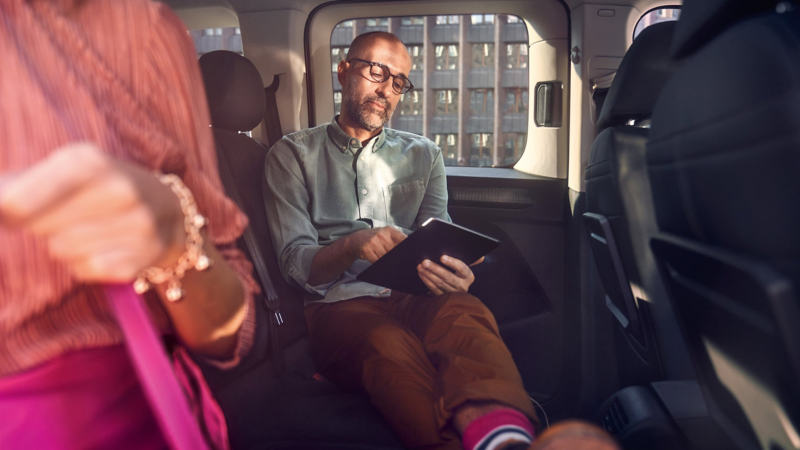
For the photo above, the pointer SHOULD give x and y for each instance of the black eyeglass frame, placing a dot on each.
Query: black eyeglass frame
(387, 73)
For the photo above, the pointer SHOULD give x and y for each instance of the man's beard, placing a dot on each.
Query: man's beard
(362, 113)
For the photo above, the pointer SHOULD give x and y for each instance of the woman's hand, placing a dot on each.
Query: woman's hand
(107, 220)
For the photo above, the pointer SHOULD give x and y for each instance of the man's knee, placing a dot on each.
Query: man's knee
(391, 341)
(466, 307)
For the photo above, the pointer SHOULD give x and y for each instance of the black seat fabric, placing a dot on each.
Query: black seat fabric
(723, 161)
(618, 190)
(236, 102)
(265, 411)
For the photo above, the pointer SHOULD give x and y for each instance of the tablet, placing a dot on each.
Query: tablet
(397, 269)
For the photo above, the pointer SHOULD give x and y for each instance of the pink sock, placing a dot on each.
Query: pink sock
(498, 427)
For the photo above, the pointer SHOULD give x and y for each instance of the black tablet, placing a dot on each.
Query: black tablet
(397, 269)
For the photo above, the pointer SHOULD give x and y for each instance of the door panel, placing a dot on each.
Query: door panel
(523, 281)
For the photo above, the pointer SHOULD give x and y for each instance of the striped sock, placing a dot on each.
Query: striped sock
(498, 427)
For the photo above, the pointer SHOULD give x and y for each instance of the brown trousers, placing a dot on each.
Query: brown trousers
(418, 358)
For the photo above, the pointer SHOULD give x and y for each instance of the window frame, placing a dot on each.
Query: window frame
(636, 25)
(545, 22)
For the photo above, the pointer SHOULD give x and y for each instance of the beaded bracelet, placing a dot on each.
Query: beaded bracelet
(193, 257)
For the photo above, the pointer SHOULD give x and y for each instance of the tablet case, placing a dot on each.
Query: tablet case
(397, 269)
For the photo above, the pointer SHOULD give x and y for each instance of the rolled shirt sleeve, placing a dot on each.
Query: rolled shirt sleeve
(286, 197)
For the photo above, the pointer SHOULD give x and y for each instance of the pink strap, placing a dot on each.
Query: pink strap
(161, 388)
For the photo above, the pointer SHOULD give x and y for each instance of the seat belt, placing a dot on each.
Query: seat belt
(270, 295)
(272, 120)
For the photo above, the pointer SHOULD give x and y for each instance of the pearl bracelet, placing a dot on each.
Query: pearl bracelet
(192, 258)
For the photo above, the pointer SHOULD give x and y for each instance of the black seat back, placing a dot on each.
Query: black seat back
(237, 100)
(620, 217)
(723, 161)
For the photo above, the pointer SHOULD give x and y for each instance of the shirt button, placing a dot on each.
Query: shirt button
(364, 191)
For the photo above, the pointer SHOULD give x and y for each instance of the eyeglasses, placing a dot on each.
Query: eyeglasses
(381, 73)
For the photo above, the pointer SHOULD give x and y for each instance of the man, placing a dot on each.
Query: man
(340, 196)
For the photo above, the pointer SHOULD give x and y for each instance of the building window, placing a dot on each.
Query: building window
(481, 101)
(482, 18)
(337, 101)
(656, 16)
(382, 22)
(417, 53)
(411, 103)
(443, 20)
(412, 21)
(515, 145)
(513, 19)
(482, 55)
(481, 151)
(517, 56)
(346, 23)
(446, 57)
(338, 54)
(516, 100)
(446, 102)
(449, 145)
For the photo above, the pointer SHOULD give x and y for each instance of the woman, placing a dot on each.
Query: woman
(96, 99)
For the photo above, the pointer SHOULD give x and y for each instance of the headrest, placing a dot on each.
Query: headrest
(642, 74)
(701, 20)
(235, 91)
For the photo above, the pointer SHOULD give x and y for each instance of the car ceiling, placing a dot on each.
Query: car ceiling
(242, 6)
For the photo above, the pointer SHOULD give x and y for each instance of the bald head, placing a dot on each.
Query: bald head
(361, 45)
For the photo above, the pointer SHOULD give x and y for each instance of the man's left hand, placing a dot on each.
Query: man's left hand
(442, 281)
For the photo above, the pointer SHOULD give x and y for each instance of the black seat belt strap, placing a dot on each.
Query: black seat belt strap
(272, 120)
(270, 295)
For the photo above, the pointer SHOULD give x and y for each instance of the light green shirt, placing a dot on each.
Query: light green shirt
(322, 184)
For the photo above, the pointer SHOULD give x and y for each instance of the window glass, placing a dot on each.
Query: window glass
(443, 20)
(516, 100)
(482, 55)
(212, 39)
(481, 101)
(337, 101)
(417, 53)
(338, 54)
(656, 16)
(412, 21)
(410, 103)
(515, 145)
(449, 145)
(481, 151)
(446, 102)
(432, 107)
(446, 57)
(482, 18)
(517, 56)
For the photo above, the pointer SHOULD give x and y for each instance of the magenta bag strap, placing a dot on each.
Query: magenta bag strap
(154, 369)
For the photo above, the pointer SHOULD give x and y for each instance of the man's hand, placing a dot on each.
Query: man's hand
(105, 219)
(373, 243)
(442, 281)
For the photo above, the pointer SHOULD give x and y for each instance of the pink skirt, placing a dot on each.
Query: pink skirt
(89, 399)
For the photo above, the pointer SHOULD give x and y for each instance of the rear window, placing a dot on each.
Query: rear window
(480, 119)
(211, 39)
(656, 16)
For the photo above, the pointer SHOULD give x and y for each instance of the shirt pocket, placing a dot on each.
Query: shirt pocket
(403, 202)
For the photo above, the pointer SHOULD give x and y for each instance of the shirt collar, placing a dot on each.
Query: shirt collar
(344, 141)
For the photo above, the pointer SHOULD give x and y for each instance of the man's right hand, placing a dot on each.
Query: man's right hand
(373, 243)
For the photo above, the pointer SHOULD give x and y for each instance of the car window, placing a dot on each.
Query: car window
(655, 16)
(457, 113)
(211, 39)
